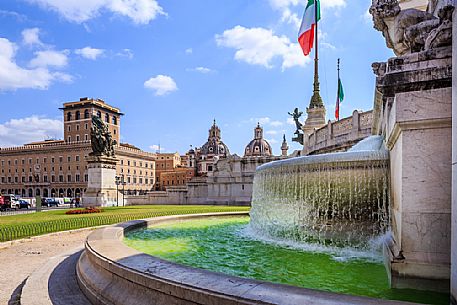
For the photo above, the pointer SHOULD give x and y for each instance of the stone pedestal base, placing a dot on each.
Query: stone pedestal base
(101, 187)
(416, 121)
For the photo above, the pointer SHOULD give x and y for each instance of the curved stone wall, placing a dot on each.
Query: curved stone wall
(109, 272)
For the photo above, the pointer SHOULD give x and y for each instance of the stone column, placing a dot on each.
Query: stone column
(101, 187)
(454, 168)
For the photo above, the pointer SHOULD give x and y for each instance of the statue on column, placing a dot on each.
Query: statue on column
(101, 139)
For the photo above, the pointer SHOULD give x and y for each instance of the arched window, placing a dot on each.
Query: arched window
(99, 114)
(86, 114)
(106, 117)
(77, 115)
(68, 116)
(114, 120)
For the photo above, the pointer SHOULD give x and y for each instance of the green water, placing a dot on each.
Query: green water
(225, 245)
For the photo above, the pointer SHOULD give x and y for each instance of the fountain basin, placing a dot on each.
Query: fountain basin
(109, 272)
(339, 198)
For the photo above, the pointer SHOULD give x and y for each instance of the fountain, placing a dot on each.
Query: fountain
(339, 198)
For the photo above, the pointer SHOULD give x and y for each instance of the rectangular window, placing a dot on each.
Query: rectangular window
(45, 178)
(86, 178)
(16, 179)
(23, 179)
(30, 178)
(30, 161)
(60, 159)
(69, 159)
(69, 127)
(86, 137)
(60, 178)
(45, 160)
(68, 178)
(9, 179)
(52, 160)
(53, 178)
(69, 138)
(77, 127)
(77, 177)
(77, 138)
(77, 158)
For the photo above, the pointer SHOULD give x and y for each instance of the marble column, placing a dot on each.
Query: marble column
(454, 167)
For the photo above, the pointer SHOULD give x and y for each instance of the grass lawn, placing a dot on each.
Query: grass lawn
(26, 225)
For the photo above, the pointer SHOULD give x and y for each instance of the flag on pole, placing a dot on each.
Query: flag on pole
(339, 99)
(306, 32)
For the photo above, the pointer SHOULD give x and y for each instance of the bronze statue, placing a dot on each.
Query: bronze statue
(101, 140)
(296, 115)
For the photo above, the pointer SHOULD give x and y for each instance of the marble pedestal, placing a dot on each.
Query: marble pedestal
(101, 188)
(415, 118)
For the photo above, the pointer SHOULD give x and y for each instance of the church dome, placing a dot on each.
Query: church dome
(258, 147)
(214, 145)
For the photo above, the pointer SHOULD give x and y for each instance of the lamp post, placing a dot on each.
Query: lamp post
(118, 181)
(123, 189)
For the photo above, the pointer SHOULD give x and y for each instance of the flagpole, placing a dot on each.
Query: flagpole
(316, 53)
(316, 100)
(338, 90)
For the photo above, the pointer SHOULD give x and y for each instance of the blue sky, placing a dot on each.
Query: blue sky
(173, 66)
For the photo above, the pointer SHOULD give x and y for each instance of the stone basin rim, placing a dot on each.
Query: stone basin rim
(109, 272)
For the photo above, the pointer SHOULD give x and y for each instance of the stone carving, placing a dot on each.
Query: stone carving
(101, 140)
(441, 35)
(411, 30)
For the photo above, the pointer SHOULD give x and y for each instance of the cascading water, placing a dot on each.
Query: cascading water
(338, 198)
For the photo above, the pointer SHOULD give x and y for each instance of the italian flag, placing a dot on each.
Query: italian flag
(339, 99)
(306, 32)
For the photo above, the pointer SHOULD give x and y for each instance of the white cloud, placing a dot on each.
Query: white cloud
(290, 121)
(14, 77)
(327, 4)
(89, 52)
(276, 123)
(286, 7)
(203, 70)
(259, 46)
(48, 58)
(31, 37)
(271, 132)
(328, 45)
(272, 141)
(367, 17)
(161, 84)
(125, 53)
(188, 51)
(139, 11)
(34, 128)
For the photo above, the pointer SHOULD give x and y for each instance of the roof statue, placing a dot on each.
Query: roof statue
(101, 140)
(412, 30)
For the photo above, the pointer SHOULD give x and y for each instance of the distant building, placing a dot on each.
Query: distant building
(204, 158)
(57, 168)
(172, 170)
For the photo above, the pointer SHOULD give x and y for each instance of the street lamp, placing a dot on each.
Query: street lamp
(123, 189)
(118, 181)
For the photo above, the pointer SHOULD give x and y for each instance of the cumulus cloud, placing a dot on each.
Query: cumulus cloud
(286, 7)
(203, 70)
(139, 11)
(276, 123)
(31, 37)
(260, 46)
(127, 53)
(49, 58)
(34, 128)
(271, 132)
(89, 52)
(161, 84)
(13, 77)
